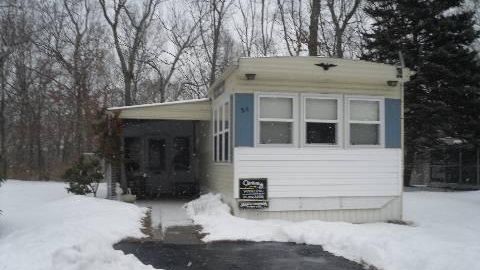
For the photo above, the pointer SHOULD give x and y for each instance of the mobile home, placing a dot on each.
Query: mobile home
(292, 138)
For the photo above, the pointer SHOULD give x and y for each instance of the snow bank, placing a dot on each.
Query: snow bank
(446, 234)
(42, 227)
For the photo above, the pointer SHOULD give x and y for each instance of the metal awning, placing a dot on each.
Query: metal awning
(195, 109)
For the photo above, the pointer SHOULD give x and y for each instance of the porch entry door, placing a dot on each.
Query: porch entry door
(156, 161)
(169, 163)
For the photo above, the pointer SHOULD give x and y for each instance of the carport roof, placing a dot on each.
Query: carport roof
(195, 109)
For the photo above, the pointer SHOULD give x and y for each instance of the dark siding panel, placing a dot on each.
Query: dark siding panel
(392, 123)
(244, 119)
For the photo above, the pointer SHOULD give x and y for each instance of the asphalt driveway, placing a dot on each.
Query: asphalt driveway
(235, 255)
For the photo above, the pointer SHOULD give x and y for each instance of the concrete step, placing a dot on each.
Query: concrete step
(183, 235)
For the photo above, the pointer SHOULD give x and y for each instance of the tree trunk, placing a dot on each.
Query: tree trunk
(78, 124)
(128, 90)
(313, 29)
(38, 142)
(3, 152)
(339, 45)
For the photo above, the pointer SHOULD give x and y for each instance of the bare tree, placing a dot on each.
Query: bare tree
(313, 28)
(13, 33)
(293, 27)
(211, 32)
(246, 29)
(341, 12)
(254, 26)
(268, 17)
(74, 43)
(128, 45)
(165, 57)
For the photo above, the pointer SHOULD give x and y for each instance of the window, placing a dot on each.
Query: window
(276, 119)
(325, 118)
(221, 133)
(321, 115)
(365, 118)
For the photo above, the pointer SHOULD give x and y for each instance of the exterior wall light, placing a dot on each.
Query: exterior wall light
(250, 76)
(392, 83)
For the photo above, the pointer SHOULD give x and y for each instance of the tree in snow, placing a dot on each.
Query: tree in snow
(435, 37)
(84, 177)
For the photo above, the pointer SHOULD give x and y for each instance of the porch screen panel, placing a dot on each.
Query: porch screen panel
(181, 158)
(156, 155)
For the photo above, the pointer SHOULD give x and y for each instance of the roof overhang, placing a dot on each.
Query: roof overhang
(196, 109)
(315, 70)
(320, 70)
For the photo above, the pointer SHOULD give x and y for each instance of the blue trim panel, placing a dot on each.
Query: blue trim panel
(244, 109)
(392, 123)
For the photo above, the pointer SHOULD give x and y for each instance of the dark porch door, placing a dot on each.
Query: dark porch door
(160, 158)
(169, 160)
(156, 160)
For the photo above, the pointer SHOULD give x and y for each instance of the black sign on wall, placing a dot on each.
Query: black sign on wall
(253, 204)
(253, 188)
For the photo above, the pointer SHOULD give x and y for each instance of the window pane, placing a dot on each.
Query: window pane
(220, 147)
(323, 109)
(276, 108)
(275, 132)
(364, 134)
(215, 123)
(220, 119)
(364, 110)
(225, 147)
(226, 118)
(321, 133)
(215, 148)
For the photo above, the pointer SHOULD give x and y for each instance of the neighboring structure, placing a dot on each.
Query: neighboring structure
(448, 165)
(283, 137)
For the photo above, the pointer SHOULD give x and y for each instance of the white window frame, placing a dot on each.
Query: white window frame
(339, 130)
(218, 114)
(294, 120)
(380, 122)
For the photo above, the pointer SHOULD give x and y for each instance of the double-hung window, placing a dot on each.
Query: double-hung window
(365, 121)
(221, 132)
(276, 119)
(322, 120)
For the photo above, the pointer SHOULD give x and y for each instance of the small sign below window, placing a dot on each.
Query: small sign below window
(253, 188)
(253, 204)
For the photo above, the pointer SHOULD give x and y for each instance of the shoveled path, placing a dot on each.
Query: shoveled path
(235, 255)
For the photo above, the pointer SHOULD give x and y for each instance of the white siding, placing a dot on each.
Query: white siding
(390, 211)
(318, 172)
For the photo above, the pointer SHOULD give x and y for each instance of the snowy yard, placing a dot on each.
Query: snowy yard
(445, 234)
(43, 227)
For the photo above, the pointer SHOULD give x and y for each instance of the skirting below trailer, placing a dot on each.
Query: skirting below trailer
(392, 210)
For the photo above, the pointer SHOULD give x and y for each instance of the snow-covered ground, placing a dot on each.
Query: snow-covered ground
(44, 228)
(167, 213)
(445, 234)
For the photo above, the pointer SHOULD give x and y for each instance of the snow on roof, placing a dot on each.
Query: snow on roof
(159, 104)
